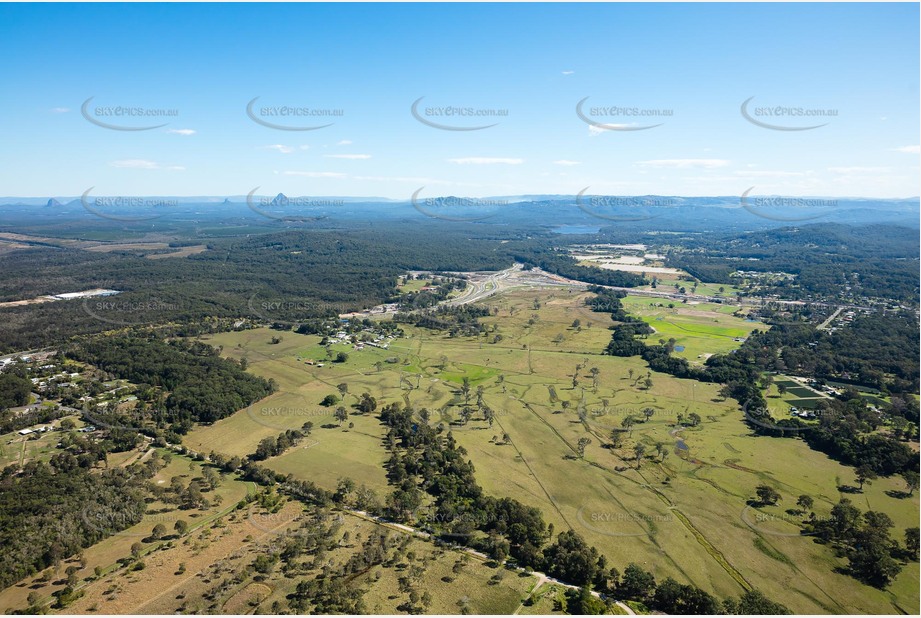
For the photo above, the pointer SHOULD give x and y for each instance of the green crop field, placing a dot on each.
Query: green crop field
(703, 329)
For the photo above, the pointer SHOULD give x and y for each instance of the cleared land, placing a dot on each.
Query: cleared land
(683, 513)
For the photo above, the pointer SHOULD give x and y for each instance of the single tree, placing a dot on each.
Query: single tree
(864, 474)
(767, 494)
(580, 446)
(911, 481)
(639, 450)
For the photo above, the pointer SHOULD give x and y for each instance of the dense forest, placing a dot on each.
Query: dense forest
(289, 276)
(829, 260)
(50, 511)
(200, 386)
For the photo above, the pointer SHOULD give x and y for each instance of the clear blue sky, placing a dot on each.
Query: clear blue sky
(372, 61)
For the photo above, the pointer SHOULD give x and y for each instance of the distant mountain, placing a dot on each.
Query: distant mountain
(536, 212)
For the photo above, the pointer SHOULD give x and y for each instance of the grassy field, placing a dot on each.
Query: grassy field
(105, 555)
(413, 285)
(703, 329)
(683, 513)
(210, 570)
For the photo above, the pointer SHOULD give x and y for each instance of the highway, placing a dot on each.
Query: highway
(485, 284)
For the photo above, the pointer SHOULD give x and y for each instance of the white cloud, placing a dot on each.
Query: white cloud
(143, 164)
(685, 163)
(316, 174)
(858, 170)
(344, 142)
(909, 149)
(182, 131)
(348, 156)
(486, 161)
(593, 130)
(772, 174)
(416, 180)
(567, 162)
(568, 72)
(280, 148)
(60, 110)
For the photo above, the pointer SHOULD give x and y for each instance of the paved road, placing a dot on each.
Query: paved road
(830, 319)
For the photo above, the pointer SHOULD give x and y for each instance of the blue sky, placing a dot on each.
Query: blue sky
(697, 63)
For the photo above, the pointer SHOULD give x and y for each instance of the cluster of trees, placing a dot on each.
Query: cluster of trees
(333, 591)
(460, 320)
(608, 301)
(202, 386)
(15, 387)
(880, 351)
(865, 539)
(424, 462)
(423, 299)
(31, 416)
(50, 511)
(272, 447)
(846, 432)
(674, 598)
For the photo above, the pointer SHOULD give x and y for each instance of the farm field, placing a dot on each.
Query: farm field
(702, 329)
(683, 513)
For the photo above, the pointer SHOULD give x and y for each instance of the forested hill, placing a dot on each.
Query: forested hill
(877, 261)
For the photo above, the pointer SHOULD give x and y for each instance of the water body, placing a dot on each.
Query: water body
(679, 442)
